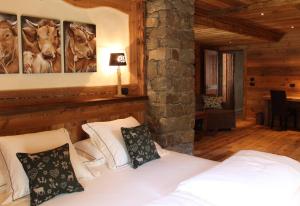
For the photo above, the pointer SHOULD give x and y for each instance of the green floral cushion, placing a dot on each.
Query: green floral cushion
(140, 146)
(211, 102)
(50, 173)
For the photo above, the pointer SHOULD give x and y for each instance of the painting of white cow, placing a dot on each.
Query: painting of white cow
(80, 47)
(9, 58)
(41, 48)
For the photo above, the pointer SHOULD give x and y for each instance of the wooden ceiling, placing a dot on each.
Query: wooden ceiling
(242, 22)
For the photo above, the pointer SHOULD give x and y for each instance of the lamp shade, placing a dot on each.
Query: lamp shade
(117, 59)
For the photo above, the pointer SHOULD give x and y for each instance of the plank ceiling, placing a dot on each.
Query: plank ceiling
(242, 22)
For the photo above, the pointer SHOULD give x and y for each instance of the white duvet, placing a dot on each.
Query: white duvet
(248, 178)
(130, 187)
(180, 198)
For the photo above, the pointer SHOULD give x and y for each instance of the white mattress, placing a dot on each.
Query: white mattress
(129, 187)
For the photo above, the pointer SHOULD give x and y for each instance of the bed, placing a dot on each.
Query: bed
(172, 179)
(129, 187)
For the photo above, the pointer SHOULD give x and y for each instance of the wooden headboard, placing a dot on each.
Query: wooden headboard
(34, 112)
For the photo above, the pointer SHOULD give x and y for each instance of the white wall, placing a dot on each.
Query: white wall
(112, 36)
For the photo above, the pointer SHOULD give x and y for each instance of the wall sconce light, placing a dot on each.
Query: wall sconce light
(118, 59)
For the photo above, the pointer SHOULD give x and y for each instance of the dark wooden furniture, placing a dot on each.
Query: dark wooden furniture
(280, 108)
(216, 119)
(292, 102)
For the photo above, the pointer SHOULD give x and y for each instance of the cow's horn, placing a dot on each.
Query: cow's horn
(14, 23)
(30, 23)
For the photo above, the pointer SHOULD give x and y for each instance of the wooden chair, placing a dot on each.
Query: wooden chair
(280, 109)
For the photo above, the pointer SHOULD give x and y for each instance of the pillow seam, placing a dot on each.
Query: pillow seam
(103, 143)
(81, 150)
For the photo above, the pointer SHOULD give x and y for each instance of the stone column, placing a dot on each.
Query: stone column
(170, 72)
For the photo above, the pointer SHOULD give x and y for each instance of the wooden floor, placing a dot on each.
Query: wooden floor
(248, 136)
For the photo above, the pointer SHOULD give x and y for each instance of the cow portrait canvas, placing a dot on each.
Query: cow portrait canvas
(80, 47)
(41, 47)
(9, 53)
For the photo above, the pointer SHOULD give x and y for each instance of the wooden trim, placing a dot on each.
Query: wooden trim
(245, 107)
(20, 98)
(117, 4)
(39, 107)
(137, 44)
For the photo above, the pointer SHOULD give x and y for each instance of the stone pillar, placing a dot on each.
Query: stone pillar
(170, 72)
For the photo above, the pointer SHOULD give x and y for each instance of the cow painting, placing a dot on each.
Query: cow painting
(9, 58)
(80, 47)
(41, 48)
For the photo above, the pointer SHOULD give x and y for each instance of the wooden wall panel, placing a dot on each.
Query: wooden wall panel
(272, 66)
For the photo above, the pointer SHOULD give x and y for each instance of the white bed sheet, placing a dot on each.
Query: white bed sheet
(129, 187)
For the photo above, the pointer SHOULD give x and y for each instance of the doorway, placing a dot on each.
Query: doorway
(233, 80)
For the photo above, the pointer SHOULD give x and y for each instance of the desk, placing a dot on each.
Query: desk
(293, 101)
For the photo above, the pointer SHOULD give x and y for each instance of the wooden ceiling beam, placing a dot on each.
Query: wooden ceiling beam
(258, 6)
(237, 26)
(235, 3)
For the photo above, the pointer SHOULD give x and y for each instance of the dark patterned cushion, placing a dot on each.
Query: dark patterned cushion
(50, 173)
(140, 145)
(211, 102)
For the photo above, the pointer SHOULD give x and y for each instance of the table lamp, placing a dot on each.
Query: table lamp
(118, 59)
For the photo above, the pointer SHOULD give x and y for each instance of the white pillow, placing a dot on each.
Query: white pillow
(246, 179)
(162, 152)
(3, 176)
(88, 150)
(108, 138)
(34, 143)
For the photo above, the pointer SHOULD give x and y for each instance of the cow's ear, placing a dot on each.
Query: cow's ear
(70, 32)
(29, 33)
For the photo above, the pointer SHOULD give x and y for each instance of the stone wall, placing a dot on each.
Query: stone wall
(170, 72)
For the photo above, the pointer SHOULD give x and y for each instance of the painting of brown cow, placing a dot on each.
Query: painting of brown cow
(80, 47)
(41, 48)
(9, 58)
